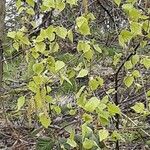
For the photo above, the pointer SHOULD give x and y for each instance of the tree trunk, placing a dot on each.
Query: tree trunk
(2, 24)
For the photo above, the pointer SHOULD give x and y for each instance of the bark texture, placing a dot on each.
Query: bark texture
(2, 26)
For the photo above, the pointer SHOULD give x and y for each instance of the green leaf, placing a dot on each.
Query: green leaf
(136, 28)
(49, 99)
(80, 21)
(136, 73)
(11, 34)
(146, 62)
(70, 35)
(30, 2)
(113, 109)
(60, 5)
(148, 93)
(57, 109)
(125, 37)
(54, 47)
(83, 46)
(97, 48)
(85, 29)
(103, 134)
(138, 108)
(87, 118)
(82, 24)
(90, 16)
(24, 40)
(116, 136)
(80, 91)
(38, 68)
(92, 104)
(66, 79)
(49, 4)
(16, 46)
(50, 33)
(61, 32)
(59, 65)
(18, 3)
(100, 81)
(30, 11)
(72, 2)
(134, 14)
(79, 66)
(45, 121)
(135, 59)
(93, 84)
(86, 131)
(128, 81)
(127, 7)
(82, 73)
(38, 80)
(20, 102)
(116, 58)
(88, 55)
(71, 142)
(117, 2)
(40, 47)
(128, 65)
(32, 86)
(88, 144)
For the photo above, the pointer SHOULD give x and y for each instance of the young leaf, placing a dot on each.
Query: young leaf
(92, 104)
(136, 73)
(128, 65)
(103, 134)
(80, 91)
(38, 68)
(113, 109)
(70, 35)
(71, 142)
(93, 84)
(59, 65)
(146, 62)
(97, 48)
(82, 73)
(138, 107)
(20, 102)
(135, 59)
(128, 81)
(117, 2)
(11, 34)
(40, 47)
(45, 121)
(88, 144)
(30, 2)
(61, 32)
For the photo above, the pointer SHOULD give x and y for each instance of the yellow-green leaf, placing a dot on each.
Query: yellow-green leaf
(59, 65)
(20, 102)
(88, 144)
(45, 121)
(128, 81)
(61, 32)
(117, 2)
(103, 134)
(70, 35)
(92, 104)
(82, 73)
(138, 108)
(38, 68)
